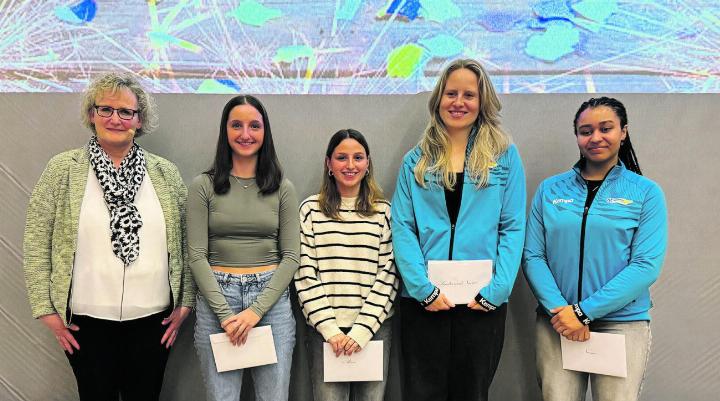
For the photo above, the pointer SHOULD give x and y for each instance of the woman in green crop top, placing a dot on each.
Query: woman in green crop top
(243, 249)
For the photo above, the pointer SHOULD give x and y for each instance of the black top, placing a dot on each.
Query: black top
(592, 186)
(453, 198)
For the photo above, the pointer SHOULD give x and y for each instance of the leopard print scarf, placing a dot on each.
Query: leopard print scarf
(119, 189)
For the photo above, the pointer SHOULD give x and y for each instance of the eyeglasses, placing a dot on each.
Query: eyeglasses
(107, 111)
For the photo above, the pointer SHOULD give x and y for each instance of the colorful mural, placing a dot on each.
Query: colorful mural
(361, 46)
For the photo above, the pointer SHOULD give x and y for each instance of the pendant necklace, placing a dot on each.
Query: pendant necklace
(244, 186)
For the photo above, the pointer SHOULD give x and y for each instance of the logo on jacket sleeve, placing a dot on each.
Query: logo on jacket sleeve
(621, 201)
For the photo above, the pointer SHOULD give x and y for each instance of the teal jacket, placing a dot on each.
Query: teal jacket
(622, 249)
(490, 225)
(51, 230)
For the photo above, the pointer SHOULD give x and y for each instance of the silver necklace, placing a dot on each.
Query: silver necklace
(244, 186)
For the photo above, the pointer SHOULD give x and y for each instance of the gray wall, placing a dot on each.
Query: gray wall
(674, 135)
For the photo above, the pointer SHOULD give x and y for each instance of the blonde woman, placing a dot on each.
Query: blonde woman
(347, 281)
(460, 195)
(103, 248)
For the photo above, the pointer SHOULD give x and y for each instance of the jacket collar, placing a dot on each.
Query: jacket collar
(471, 141)
(615, 172)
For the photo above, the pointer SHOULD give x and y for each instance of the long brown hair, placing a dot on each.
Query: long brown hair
(268, 172)
(370, 191)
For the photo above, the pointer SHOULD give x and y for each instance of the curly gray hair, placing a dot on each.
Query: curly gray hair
(110, 83)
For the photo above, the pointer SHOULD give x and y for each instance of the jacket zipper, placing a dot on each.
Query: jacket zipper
(582, 231)
(452, 225)
(582, 250)
(452, 240)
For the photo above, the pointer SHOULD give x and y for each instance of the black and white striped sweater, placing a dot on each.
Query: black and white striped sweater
(347, 280)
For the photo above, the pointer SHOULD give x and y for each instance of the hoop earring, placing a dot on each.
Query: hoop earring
(330, 173)
(367, 173)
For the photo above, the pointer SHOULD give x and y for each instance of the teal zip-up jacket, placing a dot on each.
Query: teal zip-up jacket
(624, 244)
(51, 229)
(490, 225)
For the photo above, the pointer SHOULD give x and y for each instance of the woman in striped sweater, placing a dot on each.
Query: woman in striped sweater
(347, 281)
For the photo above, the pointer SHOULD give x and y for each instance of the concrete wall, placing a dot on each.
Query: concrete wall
(674, 136)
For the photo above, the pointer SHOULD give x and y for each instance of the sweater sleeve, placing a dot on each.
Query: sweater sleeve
(189, 288)
(535, 265)
(406, 246)
(198, 210)
(311, 293)
(646, 258)
(289, 246)
(511, 233)
(379, 301)
(37, 242)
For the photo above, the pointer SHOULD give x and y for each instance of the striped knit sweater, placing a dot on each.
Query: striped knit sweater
(347, 280)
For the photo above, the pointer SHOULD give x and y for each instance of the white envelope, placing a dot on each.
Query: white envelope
(259, 349)
(460, 280)
(363, 366)
(603, 353)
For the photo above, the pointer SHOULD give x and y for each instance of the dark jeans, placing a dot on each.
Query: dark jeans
(119, 358)
(449, 355)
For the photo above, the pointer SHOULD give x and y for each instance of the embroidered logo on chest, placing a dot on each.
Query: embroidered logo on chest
(621, 201)
(560, 200)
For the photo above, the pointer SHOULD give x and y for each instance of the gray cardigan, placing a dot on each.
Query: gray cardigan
(51, 230)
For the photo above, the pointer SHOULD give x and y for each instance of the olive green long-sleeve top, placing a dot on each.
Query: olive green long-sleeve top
(242, 228)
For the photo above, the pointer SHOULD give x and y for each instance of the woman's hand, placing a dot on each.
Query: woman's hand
(349, 346)
(583, 334)
(440, 303)
(565, 322)
(337, 342)
(174, 321)
(474, 305)
(238, 327)
(62, 334)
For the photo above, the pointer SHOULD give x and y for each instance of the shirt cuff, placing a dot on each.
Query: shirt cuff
(580, 314)
(485, 303)
(430, 298)
(361, 335)
(329, 329)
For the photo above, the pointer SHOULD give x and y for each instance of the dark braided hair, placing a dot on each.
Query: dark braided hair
(626, 153)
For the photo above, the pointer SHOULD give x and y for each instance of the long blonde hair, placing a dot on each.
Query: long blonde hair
(489, 140)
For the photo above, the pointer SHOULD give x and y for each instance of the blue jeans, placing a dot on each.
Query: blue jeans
(346, 391)
(558, 384)
(271, 381)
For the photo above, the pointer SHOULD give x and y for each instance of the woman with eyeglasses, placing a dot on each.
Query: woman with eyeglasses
(347, 281)
(596, 239)
(243, 240)
(103, 248)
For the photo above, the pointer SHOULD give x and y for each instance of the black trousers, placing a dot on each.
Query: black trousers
(119, 358)
(449, 355)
